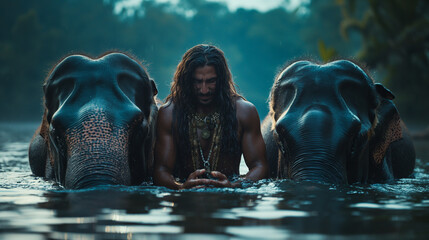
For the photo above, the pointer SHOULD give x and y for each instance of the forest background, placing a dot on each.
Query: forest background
(390, 37)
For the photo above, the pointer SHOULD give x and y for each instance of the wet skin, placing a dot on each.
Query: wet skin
(331, 123)
(252, 143)
(98, 124)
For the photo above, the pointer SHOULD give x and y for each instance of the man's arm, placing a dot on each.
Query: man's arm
(165, 154)
(165, 149)
(252, 144)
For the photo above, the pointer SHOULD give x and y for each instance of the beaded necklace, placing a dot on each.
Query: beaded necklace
(207, 124)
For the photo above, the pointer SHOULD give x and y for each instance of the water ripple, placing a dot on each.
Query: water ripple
(33, 208)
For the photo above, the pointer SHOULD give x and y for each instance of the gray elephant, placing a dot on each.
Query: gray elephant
(331, 123)
(98, 123)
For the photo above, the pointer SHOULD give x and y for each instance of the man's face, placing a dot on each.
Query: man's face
(205, 79)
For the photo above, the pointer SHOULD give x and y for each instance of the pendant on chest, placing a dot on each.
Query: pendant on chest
(205, 130)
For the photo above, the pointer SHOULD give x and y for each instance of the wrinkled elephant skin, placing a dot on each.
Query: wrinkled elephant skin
(331, 123)
(98, 123)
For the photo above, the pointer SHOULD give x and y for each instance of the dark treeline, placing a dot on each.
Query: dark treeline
(37, 33)
(395, 42)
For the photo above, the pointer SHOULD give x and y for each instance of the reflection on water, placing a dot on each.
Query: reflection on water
(33, 208)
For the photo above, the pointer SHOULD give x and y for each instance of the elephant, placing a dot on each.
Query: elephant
(98, 122)
(331, 123)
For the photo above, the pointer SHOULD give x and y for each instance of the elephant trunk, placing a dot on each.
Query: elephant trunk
(312, 148)
(317, 166)
(103, 170)
(97, 151)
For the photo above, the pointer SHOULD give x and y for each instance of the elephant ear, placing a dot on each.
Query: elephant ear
(389, 131)
(388, 128)
(149, 143)
(153, 85)
(384, 92)
(38, 155)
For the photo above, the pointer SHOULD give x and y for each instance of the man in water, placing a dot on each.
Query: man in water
(205, 125)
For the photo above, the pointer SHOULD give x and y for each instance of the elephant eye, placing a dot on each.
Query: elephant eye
(285, 96)
(128, 85)
(136, 88)
(64, 90)
(59, 91)
(132, 85)
(355, 97)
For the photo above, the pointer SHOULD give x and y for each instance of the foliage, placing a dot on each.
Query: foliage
(396, 42)
(38, 33)
(327, 53)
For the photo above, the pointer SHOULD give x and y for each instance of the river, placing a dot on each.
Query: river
(33, 208)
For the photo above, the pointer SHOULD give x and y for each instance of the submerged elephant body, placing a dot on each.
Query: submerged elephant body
(331, 123)
(98, 123)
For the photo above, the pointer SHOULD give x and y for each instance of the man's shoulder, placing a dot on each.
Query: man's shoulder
(247, 115)
(165, 113)
(243, 105)
(166, 108)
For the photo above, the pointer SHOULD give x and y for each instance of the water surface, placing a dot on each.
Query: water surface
(33, 208)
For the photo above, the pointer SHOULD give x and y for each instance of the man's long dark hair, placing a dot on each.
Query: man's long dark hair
(183, 96)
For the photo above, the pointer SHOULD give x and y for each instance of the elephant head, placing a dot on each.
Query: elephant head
(323, 120)
(98, 123)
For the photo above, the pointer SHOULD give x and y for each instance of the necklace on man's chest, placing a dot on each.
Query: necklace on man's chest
(210, 127)
(206, 123)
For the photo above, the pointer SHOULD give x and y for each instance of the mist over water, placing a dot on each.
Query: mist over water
(34, 208)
